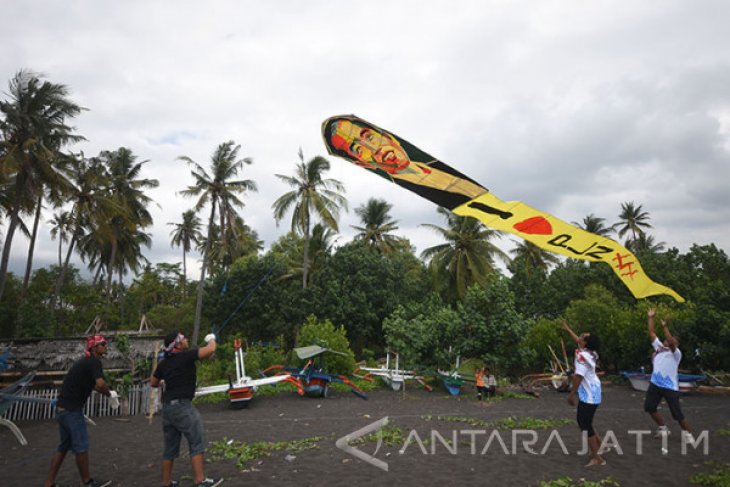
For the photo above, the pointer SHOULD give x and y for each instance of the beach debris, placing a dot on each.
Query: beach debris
(290, 458)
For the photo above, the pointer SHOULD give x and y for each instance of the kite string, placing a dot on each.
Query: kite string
(217, 330)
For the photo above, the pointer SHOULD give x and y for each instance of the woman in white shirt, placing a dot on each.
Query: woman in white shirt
(586, 389)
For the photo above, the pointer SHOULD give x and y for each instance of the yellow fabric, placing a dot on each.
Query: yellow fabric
(557, 236)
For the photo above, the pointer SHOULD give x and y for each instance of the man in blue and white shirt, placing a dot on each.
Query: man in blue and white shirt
(664, 378)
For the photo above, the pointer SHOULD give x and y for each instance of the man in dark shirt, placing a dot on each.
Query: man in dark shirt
(179, 417)
(85, 375)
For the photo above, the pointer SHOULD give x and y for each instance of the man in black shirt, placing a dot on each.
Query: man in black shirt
(179, 417)
(85, 375)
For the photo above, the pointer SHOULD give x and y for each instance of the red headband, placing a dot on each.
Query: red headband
(92, 341)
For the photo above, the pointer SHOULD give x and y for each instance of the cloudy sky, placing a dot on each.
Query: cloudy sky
(570, 106)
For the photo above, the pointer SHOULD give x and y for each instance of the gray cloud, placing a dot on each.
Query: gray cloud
(571, 107)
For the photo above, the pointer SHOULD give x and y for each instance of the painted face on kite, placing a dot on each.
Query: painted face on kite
(370, 147)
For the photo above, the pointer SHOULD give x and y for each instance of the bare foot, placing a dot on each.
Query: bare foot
(596, 462)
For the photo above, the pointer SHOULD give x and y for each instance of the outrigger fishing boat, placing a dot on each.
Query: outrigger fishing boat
(312, 380)
(12, 394)
(242, 391)
(640, 381)
(396, 378)
(452, 380)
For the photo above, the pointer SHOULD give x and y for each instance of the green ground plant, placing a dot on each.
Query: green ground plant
(719, 477)
(243, 452)
(569, 482)
(506, 423)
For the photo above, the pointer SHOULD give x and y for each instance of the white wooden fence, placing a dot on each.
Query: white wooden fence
(138, 398)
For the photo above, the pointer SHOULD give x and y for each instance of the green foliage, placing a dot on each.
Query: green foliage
(222, 366)
(244, 452)
(490, 327)
(364, 385)
(719, 477)
(542, 333)
(419, 331)
(168, 318)
(484, 325)
(359, 287)
(325, 334)
(269, 311)
(569, 482)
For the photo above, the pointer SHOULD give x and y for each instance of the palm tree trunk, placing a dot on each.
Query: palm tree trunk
(12, 225)
(199, 302)
(185, 275)
(31, 249)
(121, 296)
(61, 236)
(110, 270)
(62, 272)
(97, 276)
(305, 264)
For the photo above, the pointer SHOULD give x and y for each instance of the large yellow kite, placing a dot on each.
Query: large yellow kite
(391, 157)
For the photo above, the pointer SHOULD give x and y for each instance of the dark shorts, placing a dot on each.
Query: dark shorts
(585, 417)
(486, 390)
(72, 429)
(654, 396)
(178, 419)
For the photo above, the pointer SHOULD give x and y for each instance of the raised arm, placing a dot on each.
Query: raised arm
(564, 325)
(209, 348)
(671, 341)
(651, 313)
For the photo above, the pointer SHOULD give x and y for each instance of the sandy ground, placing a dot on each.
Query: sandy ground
(128, 450)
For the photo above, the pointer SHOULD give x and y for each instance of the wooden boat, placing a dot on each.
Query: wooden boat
(640, 381)
(396, 378)
(242, 391)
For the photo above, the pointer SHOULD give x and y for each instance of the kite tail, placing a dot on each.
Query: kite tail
(555, 235)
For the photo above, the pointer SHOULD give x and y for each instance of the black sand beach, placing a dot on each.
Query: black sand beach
(127, 450)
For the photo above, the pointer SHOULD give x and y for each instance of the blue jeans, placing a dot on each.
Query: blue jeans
(72, 428)
(178, 419)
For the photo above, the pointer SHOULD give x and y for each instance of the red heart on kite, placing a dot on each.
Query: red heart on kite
(535, 225)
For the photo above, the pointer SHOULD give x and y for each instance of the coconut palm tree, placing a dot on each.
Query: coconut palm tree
(128, 190)
(595, 225)
(240, 240)
(312, 197)
(467, 257)
(645, 243)
(61, 226)
(534, 257)
(33, 131)
(90, 202)
(184, 235)
(632, 219)
(291, 245)
(377, 225)
(221, 190)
